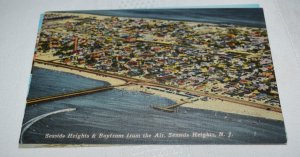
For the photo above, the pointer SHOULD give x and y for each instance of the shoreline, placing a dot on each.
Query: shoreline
(111, 81)
(210, 104)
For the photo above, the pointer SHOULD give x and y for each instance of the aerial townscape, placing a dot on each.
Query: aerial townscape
(219, 59)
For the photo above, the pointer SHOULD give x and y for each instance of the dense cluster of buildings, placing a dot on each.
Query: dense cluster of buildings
(221, 59)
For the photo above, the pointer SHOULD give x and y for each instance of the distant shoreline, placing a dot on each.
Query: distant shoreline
(211, 104)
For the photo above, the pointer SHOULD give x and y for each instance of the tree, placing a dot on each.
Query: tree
(45, 46)
(131, 55)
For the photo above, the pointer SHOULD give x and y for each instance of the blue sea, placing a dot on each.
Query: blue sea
(120, 112)
(253, 17)
(56, 83)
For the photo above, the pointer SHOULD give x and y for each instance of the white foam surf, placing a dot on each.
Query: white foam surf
(29, 123)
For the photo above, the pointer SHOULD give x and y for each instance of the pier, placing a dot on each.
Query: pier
(169, 108)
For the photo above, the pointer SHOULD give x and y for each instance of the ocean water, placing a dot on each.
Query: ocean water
(44, 84)
(253, 17)
(121, 112)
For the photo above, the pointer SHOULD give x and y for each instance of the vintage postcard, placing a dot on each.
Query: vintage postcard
(153, 76)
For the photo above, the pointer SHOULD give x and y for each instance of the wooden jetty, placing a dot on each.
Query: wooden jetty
(68, 95)
(169, 108)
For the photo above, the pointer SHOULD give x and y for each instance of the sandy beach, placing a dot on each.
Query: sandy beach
(229, 107)
(210, 104)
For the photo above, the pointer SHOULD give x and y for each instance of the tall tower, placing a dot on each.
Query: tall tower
(75, 44)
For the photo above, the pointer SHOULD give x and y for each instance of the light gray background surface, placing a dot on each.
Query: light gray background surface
(290, 12)
(18, 30)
